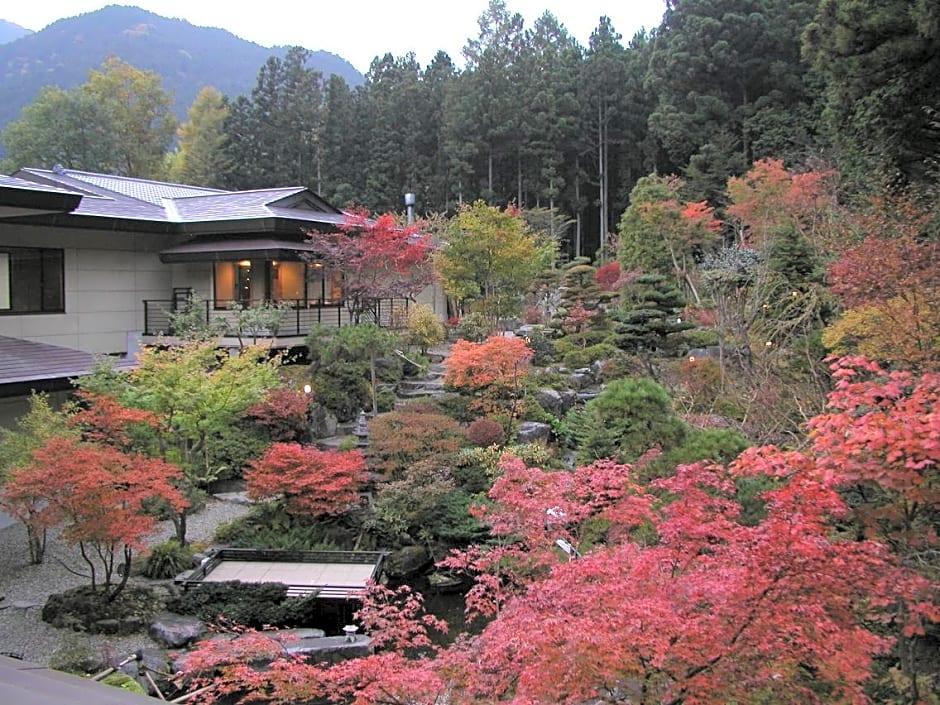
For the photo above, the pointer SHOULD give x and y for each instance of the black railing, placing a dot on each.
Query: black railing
(295, 318)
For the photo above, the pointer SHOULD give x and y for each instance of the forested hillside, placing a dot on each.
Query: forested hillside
(10, 31)
(185, 56)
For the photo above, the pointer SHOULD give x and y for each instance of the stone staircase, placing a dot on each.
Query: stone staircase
(431, 384)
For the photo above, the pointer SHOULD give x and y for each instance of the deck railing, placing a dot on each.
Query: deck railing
(297, 317)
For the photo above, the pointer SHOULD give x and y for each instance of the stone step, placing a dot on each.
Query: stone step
(420, 392)
(418, 383)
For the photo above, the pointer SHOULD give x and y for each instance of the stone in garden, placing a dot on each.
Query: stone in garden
(550, 400)
(533, 432)
(174, 630)
(407, 561)
(581, 379)
(322, 423)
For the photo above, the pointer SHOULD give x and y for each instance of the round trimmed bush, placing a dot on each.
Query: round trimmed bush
(485, 432)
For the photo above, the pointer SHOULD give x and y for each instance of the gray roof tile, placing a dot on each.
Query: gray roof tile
(28, 361)
(122, 197)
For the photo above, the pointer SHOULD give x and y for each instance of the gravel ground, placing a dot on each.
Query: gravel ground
(22, 631)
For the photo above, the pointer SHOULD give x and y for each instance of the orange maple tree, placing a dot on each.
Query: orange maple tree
(493, 368)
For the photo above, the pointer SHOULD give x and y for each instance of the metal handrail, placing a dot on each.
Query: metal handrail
(302, 315)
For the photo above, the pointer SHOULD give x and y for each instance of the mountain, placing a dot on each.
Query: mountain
(10, 31)
(186, 56)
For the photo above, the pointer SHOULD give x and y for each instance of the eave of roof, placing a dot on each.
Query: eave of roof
(19, 197)
(230, 250)
(26, 683)
(25, 362)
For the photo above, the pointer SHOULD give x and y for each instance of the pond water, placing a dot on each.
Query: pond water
(448, 606)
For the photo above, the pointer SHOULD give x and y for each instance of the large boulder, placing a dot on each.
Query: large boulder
(174, 630)
(323, 424)
(581, 379)
(533, 432)
(556, 402)
(407, 561)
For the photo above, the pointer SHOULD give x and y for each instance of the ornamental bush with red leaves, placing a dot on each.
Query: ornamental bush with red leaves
(483, 432)
(309, 481)
(284, 415)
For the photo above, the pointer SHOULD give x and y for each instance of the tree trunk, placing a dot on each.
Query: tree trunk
(375, 402)
(179, 523)
(36, 540)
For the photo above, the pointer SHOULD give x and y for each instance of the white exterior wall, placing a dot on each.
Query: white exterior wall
(107, 277)
(434, 297)
(194, 275)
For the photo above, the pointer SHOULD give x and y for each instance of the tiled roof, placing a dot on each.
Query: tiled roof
(13, 182)
(107, 196)
(140, 189)
(28, 361)
(248, 204)
(26, 683)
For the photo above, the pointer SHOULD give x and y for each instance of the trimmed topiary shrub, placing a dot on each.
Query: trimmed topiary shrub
(585, 357)
(253, 605)
(485, 432)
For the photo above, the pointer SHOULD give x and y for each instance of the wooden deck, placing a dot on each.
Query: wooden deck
(327, 574)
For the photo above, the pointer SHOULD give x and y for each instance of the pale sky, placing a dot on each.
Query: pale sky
(359, 30)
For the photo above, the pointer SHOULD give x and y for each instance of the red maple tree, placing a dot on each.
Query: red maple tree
(308, 480)
(99, 495)
(684, 602)
(879, 442)
(770, 197)
(379, 259)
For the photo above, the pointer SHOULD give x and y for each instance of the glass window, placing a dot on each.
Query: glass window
(289, 284)
(32, 280)
(232, 283)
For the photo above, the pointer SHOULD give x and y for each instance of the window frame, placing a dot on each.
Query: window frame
(50, 262)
